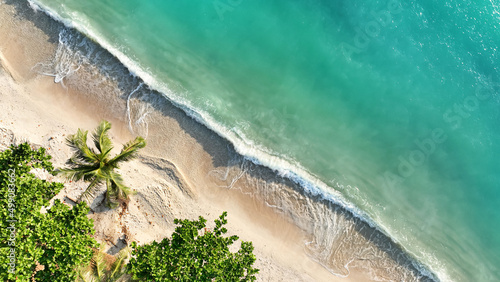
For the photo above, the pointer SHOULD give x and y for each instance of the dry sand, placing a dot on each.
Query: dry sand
(180, 174)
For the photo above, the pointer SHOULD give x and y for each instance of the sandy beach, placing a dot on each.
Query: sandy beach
(185, 171)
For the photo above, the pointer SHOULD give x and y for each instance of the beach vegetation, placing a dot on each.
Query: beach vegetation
(97, 166)
(194, 253)
(39, 244)
(104, 267)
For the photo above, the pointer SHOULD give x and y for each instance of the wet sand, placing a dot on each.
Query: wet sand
(185, 171)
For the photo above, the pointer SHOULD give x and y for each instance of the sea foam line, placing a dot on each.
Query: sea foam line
(243, 146)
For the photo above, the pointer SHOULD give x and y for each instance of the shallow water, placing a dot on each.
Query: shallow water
(394, 105)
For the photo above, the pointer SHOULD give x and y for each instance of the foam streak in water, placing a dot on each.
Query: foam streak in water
(332, 242)
(65, 63)
(128, 107)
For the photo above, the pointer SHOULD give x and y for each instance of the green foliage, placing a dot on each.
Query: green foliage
(193, 255)
(96, 166)
(104, 267)
(118, 267)
(46, 246)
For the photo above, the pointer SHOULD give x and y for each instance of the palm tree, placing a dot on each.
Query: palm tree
(104, 267)
(96, 166)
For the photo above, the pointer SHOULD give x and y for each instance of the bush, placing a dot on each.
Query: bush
(194, 254)
(49, 246)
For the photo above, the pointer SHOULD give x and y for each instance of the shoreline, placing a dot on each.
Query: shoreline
(192, 145)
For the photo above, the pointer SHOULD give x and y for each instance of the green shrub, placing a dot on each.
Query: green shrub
(194, 254)
(47, 246)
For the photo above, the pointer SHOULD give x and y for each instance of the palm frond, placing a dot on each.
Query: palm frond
(92, 188)
(117, 191)
(118, 267)
(111, 193)
(95, 270)
(82, 152)
(117, 182)
(85, 172)
(84, 274)
(101, 139)
(76, 161)
(98, 266)
(129, 151)
(112, 199)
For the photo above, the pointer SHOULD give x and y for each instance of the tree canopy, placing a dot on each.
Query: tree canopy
(44, 246)
(97, 166)
(194, 254)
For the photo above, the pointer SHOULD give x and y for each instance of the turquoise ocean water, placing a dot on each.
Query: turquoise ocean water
(392, 103)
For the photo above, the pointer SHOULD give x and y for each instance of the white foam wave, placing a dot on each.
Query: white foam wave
(128, 108)
(244, 146)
